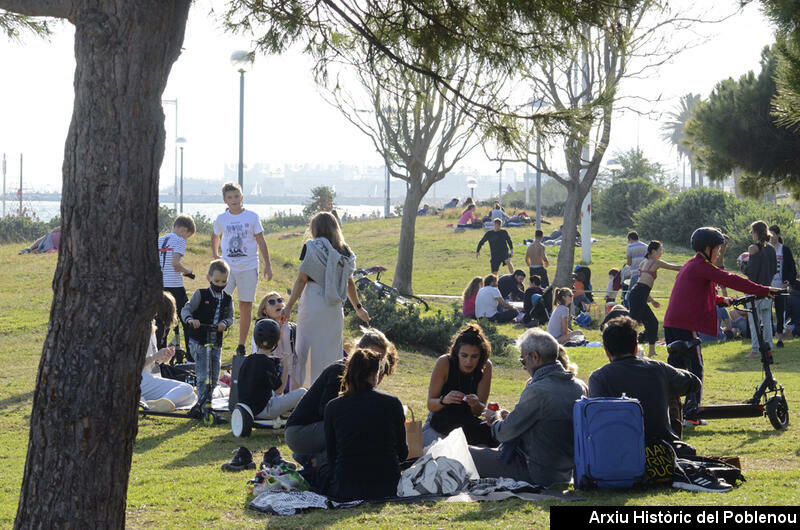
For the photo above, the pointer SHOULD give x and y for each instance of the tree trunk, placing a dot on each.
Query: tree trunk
(694, 176)
(566, 254)
(404, 269)
(107, 282)
(700, 178)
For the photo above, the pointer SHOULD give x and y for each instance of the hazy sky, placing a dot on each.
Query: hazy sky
(286, 119)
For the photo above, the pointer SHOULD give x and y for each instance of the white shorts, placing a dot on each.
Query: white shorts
(246, 282)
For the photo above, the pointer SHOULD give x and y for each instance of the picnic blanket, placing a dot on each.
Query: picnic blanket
(487, 489)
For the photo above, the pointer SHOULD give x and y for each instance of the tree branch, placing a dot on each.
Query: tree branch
(40, 8)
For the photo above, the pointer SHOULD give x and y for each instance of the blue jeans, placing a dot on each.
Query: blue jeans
(764, 309)
(206, 367)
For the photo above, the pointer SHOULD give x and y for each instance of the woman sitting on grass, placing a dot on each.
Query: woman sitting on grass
(158, 393)
(459, 389)
(558, 326)
(470, 293)
(468, 218)
(365, 433)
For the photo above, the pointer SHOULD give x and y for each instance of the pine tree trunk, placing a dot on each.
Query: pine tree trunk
(694, 177)
(404, 269)
(107, 282)
(566, 253)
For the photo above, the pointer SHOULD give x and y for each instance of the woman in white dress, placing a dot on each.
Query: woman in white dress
(324, 282)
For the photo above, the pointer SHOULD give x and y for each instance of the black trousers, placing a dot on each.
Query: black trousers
(179, 293)
(780, 313)
(692, 362)
(640, 310)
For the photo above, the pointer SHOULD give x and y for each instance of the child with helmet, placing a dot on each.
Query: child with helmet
(693, 306)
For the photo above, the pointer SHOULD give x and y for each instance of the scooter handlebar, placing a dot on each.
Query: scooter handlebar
(741, 300)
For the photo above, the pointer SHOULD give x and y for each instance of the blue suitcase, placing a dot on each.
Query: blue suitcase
(609, 442)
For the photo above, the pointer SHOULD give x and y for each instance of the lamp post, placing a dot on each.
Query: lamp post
(472, 183)
(175, 189)
(181, 143)
(4, 184)
(242, 61)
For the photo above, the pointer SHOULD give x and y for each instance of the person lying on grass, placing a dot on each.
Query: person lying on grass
(305, 433)
(459, 389)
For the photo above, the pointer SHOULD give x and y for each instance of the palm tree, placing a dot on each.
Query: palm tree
(673, 130)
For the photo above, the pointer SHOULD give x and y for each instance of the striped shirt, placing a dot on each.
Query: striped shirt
(168, 246)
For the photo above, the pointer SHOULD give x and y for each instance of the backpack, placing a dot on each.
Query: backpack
(609, 442)
(162, 258)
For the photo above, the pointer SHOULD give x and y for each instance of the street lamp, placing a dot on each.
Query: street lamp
(181, 142)
(472, 183)
(175, 190)
(242, 61)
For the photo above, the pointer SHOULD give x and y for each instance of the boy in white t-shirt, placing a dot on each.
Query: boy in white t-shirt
(242, 238)
(171, 249)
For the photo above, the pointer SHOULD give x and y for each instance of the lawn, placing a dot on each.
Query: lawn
(176, 479)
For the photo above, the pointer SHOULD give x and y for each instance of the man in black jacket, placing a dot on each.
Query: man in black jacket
(786, 275)
(500, 246)
(653, 383)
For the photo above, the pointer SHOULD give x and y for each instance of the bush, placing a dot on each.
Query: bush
(616, 205)
(675, 218)
(167, 215)
(408, 327)
(15, 229)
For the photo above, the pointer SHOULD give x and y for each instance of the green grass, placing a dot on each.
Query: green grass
(175, 478)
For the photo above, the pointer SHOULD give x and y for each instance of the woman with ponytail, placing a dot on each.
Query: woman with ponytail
(640, 294)
(365, 433)
(762, 265)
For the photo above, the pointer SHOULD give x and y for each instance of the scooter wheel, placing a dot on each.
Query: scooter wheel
(209, 419)
(241, 422)
(778, 412)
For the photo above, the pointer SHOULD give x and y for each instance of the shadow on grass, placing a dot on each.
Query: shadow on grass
(15, 399)
(147, 443)
(224, 443)
(750, 436)
(784, 361)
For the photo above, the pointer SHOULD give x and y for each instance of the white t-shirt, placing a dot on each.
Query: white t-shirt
(486, 302)
(239, 248)
(777, 280)
(175, 244)
(554, 326)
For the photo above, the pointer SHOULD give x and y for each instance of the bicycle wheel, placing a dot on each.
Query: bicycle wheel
(409, 300)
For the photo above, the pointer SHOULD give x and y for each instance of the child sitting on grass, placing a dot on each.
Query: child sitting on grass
(209, 313)
(270, 307)
(262, 379)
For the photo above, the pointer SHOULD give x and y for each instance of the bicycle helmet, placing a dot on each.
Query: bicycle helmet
(267, 333)
(707, 236)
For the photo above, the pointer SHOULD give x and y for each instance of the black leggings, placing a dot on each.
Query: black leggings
(780, 313)
(640, 310)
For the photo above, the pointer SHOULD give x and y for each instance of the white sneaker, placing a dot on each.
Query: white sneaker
(160, 405)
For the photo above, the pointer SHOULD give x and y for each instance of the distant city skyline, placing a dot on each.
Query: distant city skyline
(286, 120)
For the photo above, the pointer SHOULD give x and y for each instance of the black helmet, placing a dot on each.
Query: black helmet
(707, 236)
(267, 333)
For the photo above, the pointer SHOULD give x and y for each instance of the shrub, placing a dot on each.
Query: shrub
(408, 327)
(673, 219)
(16, 229)
(616, 205)
(167, 215)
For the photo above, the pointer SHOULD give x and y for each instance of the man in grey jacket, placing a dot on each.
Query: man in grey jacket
(537, 435)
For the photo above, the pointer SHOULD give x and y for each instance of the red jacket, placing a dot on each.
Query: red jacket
(692, 305)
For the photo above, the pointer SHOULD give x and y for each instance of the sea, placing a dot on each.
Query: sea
(46, 210)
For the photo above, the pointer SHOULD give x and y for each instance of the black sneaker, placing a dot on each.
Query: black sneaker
(196, 413)
(240, 350)
(696, 478)
(273, 458)
(779, 344)
(242, 459)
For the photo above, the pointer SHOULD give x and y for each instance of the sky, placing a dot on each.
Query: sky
(286, 119)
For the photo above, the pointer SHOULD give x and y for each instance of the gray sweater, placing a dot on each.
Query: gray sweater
(542, 421)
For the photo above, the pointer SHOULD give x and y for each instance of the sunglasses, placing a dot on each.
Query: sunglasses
(273, 301)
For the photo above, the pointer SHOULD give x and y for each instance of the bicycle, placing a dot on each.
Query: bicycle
(364, 283)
